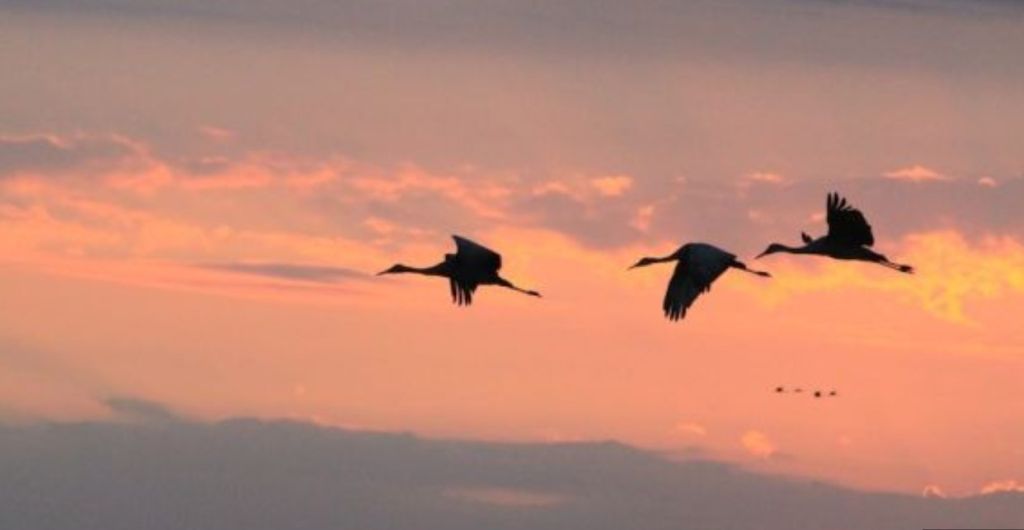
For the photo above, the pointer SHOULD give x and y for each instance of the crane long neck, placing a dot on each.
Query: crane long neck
(645, 261)
(671, 257)
(441, 269)
(805, 249)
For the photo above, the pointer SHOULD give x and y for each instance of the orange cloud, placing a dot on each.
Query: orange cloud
(612, 186)
(1002, 486)
(950, 272)
(758, 444)
(762, 178)
(173, 220)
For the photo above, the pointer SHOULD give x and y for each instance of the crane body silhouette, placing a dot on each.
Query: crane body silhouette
(698, 265)
(471, 266)
(849, 238)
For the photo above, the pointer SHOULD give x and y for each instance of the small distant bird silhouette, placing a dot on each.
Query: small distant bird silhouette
(833, 393)
(698, 265)
(798, 390)
(849, 236)
(471, 266)
(779, 389)
(817, 393)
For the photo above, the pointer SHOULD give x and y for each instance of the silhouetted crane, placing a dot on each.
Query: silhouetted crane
(471, 266)
(698, 265)
(849, 236)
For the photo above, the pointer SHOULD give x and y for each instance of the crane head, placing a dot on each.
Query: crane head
(395, 269)
(645, 262)
(772, 249)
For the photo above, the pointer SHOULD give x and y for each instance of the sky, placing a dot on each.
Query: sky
(195, 196)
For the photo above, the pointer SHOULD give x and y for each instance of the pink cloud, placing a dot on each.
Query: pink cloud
(916, 173)
(217, 134)
(380, 226)
(392, 188)
(642, 220)
(766, 177)
(552, 187)
(690, 429)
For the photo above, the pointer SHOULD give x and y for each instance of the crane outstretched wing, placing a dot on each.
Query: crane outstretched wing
(847, 224)
(473, 263)
(476, 256)
(682, 291)
(698, 267)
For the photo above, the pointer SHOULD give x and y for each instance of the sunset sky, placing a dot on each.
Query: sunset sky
(195, 197)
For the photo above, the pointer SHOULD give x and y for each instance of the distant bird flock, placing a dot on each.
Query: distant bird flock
(698, 265)
(817, 393)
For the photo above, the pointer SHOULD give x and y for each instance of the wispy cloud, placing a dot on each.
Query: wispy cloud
(289, 271)
(141, 410)
(46, 154)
